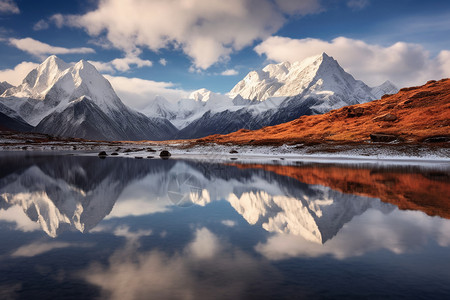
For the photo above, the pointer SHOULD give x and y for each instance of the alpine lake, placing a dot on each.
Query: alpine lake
(81, 227)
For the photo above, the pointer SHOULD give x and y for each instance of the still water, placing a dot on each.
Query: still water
(78, 227)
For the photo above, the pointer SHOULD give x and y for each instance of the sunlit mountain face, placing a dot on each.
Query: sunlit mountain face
(116, 226)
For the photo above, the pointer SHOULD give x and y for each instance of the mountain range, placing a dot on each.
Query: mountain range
(414, 115)
(75, 100)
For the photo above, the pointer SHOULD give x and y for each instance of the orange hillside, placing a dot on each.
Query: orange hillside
(413, 115)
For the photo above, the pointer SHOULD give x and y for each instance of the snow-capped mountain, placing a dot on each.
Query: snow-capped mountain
(317, 74)
(4, 86)
(386, 87)
(160, 107)
(10, 120)
(83, 103)
(283, 92)
(187, 110)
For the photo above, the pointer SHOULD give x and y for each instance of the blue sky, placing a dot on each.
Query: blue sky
(171, 47)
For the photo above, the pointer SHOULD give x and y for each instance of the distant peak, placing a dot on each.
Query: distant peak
(84, 64)
(53, 59)
(325, 57)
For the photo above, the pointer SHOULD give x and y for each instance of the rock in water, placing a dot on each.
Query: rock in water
(165, 154)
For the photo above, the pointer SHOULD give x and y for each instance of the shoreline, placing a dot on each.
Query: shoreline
(245, 154)
(373, 153)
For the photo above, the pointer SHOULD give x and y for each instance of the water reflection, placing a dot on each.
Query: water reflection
(312, 201)
(189, 230)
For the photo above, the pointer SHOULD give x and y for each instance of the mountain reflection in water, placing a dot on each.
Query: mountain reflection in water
(312, 201)
(231, 222)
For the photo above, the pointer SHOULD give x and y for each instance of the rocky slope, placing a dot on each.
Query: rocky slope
(10, 120)
(415, 114)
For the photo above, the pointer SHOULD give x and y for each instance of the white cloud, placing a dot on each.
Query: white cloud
(403, 63)
(39, 248)
(208, 31)
(229, 72)
(41, 25)
(15, 76)
(205, 245)
(41, 49)
(58, 20)
(132, 273)
(15, 214)
(163, 61)
(122, 64)
(229, 223)
(358, 4)
(8, 6)
(137, 92)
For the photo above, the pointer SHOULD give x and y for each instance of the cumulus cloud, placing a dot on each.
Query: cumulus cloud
(205, 245)
(16, 75)
(123, 64)
(207, 31)
(41, 49)
(163, 61)
(137, 92)
(403, 63)
(9, 6)
(225, 273)
(229, 72)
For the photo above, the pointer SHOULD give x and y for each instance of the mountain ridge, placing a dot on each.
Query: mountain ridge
(276, 94)
(414, 114)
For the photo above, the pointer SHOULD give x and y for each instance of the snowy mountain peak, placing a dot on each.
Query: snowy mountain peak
(4, 86)
(202, 95)
(38, 81)
(386, 87)
(320, 73)
(54, 84)
(160, 107)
